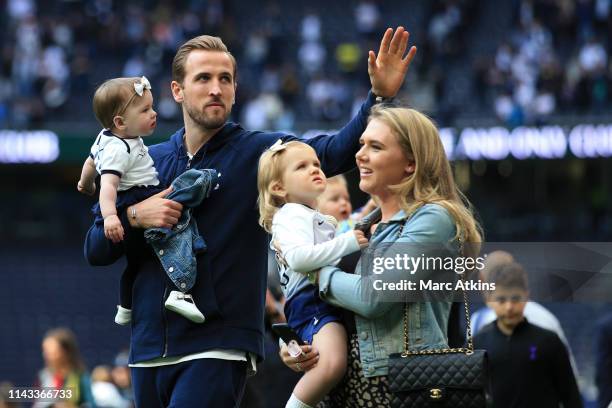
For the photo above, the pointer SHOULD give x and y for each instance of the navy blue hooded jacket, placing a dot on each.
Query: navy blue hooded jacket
(231, 279)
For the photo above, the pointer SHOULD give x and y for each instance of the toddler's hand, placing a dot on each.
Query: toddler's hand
(113, 229)
(86, 189)
(361, 239)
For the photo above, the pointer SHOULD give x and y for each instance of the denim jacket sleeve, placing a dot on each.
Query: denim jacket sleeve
(337, 152)
(430, 224)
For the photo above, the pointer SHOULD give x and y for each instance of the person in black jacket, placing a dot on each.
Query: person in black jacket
(529, 366)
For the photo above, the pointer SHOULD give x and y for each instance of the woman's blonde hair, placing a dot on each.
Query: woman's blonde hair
(432, 180)
(270, 170)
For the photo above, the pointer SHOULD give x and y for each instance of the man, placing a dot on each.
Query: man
(175, 362)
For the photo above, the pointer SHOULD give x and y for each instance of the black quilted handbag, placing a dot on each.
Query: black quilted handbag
(441, 378)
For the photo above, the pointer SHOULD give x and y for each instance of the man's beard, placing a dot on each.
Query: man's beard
(203, 120)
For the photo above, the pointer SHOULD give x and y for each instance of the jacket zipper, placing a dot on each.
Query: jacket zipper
(165, 325)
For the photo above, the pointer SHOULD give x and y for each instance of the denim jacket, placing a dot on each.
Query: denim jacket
(176, 248)
(380, 325)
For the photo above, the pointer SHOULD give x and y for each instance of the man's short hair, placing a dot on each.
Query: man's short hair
(202, 42)
(509, 275)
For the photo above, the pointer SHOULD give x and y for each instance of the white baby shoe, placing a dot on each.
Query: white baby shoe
(182, 303)
(123, 316)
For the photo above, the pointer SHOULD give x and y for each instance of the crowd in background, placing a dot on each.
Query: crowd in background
(554, 57)
(109, 385)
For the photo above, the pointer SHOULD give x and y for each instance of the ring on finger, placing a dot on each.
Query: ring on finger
(298, 366)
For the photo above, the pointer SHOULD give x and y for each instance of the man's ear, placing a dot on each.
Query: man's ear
(177, 92)
(235, 87)
(119, 122)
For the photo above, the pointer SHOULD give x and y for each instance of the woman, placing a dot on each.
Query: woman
(64, 370)
(403, 165)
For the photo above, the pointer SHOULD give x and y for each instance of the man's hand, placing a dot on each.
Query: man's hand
(156, 211)
(304, 362)
(388, 69)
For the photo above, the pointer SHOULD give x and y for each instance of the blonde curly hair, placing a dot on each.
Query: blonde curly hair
(269, 171)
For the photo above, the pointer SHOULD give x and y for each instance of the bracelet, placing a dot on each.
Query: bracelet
(382, 99)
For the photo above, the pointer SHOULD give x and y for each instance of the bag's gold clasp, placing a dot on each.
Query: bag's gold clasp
(435, 393)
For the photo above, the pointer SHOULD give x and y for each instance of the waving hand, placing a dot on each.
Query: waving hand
(388, 69)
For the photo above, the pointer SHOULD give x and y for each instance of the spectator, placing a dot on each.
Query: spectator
(5, 396)
(442, 25)
(367, 17)
(311, 28)
(64, 369)
(263, 112)
(593, 57)
(105, 393)
(529, 366)
(311, 56)
(121, 376)
(533, 311)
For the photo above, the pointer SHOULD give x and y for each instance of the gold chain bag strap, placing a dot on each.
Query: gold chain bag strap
(437, 378)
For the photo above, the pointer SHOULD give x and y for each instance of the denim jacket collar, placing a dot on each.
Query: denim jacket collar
(399, 216)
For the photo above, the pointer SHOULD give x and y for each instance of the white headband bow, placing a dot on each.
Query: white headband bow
(139, 87)
(277, 146)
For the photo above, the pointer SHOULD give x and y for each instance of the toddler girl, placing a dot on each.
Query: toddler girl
(289, 182)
